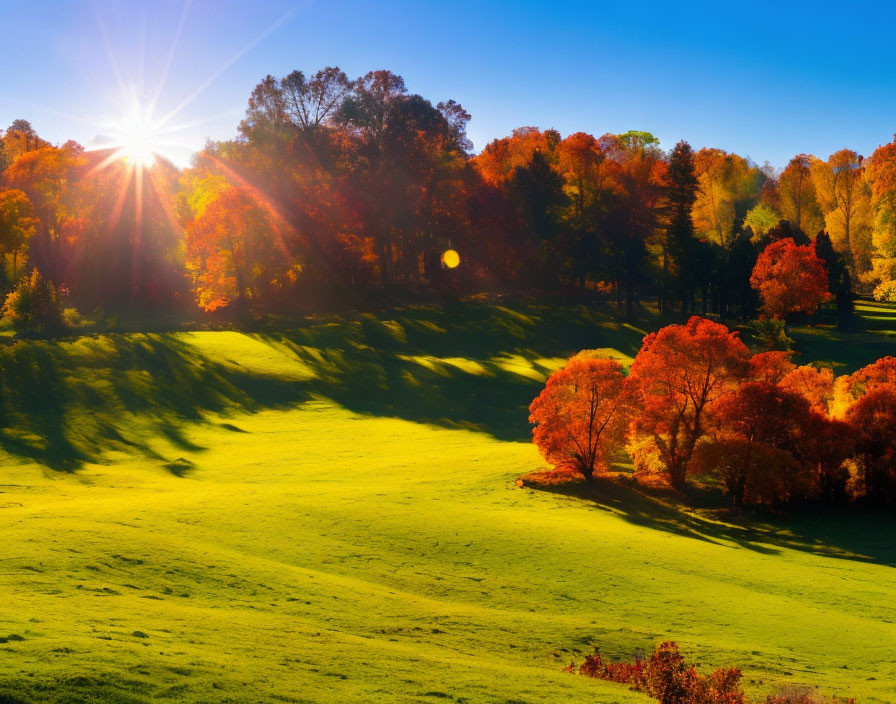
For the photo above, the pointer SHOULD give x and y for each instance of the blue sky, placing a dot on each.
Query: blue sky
(766, 80)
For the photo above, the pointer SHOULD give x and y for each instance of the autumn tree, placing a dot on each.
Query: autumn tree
(881, 173)
(236, 251)
(851, 388)
(873, 419)
(46, 176)
(844, 197)
(728, 187)
(825, 442)
(501, 157)
(19, 138)
(815, 384)
(790, 279)
(796, 195)
(18, 224)
(760, 219)
(367, 114)
(823, 447)
(756, 429)
(631, 217)
(679, 374)
(770, 367)
(582, 164)
(580, 417)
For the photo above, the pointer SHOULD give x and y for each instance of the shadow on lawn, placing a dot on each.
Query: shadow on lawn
(848, 534)
(871, 337)
(473, 366)
(66, 403)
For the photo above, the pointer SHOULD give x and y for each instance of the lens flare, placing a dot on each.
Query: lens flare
(139, 141)
(451, 259)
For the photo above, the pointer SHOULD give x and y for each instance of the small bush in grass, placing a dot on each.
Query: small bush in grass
(35, 306)
(668, 678)
(542, 478)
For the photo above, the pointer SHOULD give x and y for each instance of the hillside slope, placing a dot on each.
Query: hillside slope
(330, 514)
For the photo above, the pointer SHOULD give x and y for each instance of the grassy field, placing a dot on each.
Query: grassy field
(330, 514)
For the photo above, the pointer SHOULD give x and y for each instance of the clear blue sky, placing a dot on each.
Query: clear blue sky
(766, 80)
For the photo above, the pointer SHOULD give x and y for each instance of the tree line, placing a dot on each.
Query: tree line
(335, 187)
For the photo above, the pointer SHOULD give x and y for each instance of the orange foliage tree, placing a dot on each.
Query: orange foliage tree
(581, 415)
(18, 224)
(814, 384)
(678, 374)
(236, 250)
(770, 366)
(790, 279)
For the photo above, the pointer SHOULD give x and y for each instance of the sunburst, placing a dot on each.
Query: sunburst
(138, 139)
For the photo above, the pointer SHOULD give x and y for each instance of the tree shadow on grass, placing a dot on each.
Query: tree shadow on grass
(865, 536)
(472, 366)
(67, 403)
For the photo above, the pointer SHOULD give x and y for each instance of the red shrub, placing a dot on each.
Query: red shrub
(666, 677)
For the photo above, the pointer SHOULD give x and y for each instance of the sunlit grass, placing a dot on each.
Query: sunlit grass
(287, 517)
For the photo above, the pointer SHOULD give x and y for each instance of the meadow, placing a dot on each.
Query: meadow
(328, 512)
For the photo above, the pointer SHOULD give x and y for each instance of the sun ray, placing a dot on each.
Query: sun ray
(165, 201)
(51, 111)
(264, 200)
(117, 209)
(113, 157)
(116, 69)
(138, 229)
(230, 62)
(166, 67)
(181, 126)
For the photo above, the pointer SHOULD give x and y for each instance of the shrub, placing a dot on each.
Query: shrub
(770, 333)
(35, 306)
(666, 677)
(886, 292)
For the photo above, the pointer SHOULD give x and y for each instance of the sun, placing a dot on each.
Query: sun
(138, 140)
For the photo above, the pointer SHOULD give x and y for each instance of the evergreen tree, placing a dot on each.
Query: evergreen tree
(678, 257)
(839, 280)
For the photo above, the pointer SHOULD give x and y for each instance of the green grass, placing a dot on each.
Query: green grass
(330, 514)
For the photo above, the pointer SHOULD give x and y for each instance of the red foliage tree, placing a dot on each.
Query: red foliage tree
(581, 414)
(873, 419)
(790, 279)
(678, 374)
(823, 448)
(753, 449)
(770, 366)
(868, 378)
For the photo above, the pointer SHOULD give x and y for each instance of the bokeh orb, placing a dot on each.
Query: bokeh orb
(450, 259)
